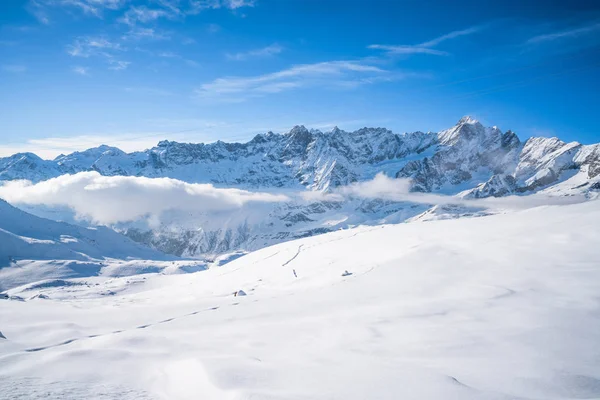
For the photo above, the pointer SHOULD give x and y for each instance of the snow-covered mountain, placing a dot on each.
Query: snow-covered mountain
(33, 248)
(466, 154)
(468, 160)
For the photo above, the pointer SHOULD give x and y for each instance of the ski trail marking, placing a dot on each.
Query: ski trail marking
(66, 342)
(293, 258)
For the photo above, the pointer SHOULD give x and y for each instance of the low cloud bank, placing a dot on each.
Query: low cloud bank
(386, 188)
(113, 199)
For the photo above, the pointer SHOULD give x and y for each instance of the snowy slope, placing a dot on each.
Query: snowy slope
(33, 248)
(499, 307)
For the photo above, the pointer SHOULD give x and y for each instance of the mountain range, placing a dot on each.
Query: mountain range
(467, 161)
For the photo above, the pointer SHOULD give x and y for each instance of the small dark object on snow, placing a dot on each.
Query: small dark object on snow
(346, 273)
(2, 336)
(239, 293)
(294, 273)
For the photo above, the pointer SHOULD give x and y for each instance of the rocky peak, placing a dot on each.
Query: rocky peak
(466, 130)
(467, 119)
(510, 140)
(298, 140)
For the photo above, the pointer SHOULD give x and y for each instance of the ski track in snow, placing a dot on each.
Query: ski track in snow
(144, 326)
(294, 257)
(324, 243)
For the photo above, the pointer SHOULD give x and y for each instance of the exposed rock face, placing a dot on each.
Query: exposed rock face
(463, 151)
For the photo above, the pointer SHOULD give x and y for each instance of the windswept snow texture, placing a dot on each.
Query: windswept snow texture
(33, 248)
(500, 307)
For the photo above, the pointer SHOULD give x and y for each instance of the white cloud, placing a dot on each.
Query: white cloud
(118, 65)
(140, 33)
(168, 54)
(114, 199)
(571, 33)
(94, 7)
(425, 47)
(109, 200)
(80, 70)
(386, 188)
(15, 68)
(173, 10)
(143, 14)
(407, 50)
(197, 6)
(379, 187)
(325, 73)
(89, 7)
(38, 9)
(86, 46)
(262, 52)
(451, 35)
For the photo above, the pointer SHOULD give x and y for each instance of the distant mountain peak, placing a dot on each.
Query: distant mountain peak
(467, 119)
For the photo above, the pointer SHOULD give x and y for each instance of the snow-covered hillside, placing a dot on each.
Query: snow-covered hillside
(32, 249)
(500, 307)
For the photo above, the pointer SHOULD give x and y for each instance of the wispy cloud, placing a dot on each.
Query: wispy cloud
(80, 70)
(565, 34)
(148, 91)
(177, 9)
(262, 52)
(143, 14)
(426, 47)
(39, 8)
(451, 35)
(14, 68)
(118, 65)
(86, 46)
(197, 6)
(142, 33)
(401, 49)
(324, 73)
(168, 55)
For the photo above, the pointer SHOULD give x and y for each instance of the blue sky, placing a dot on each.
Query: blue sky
(79, 73)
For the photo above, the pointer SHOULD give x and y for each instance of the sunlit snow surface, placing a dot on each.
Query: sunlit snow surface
(499, 307)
